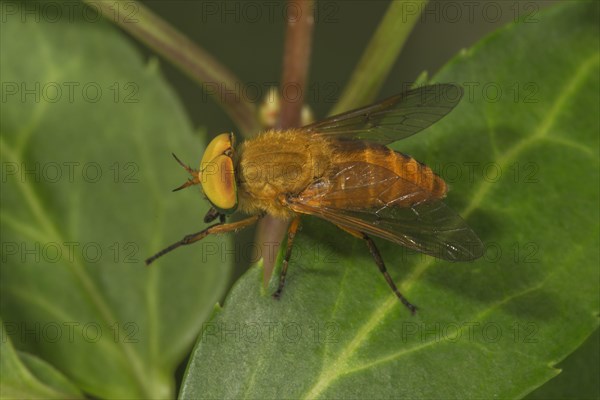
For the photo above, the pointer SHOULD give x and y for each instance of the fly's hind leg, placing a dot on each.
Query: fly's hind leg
(292, 229)
(380, 264)
(379, 261)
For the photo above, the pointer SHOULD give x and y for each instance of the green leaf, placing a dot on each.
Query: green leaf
(523, 170)
(579, 376)
(86, 134)
(25, 376)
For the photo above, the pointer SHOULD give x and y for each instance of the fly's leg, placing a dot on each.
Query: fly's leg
(217, 228)
(213, 214)
(380, 264)
(379, 261)
(292, 229)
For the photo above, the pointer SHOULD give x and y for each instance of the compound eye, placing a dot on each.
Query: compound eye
(218, 175)
(218, 183)
(219, 145)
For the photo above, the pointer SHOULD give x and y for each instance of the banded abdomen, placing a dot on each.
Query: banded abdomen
(366, 175)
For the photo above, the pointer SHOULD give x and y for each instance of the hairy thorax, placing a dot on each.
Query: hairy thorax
(275, 165)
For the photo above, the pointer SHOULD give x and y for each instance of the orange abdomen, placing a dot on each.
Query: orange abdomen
(365, 175)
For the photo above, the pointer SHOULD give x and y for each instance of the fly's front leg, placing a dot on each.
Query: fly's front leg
(292, 229)
(217, 228)
(380, 264)
(213, 214)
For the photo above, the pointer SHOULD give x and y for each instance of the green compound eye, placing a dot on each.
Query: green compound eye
(217, 173)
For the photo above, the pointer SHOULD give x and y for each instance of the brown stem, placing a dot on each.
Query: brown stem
(296, 60)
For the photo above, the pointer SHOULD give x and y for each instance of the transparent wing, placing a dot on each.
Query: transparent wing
(374, 200)
(394, 118)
